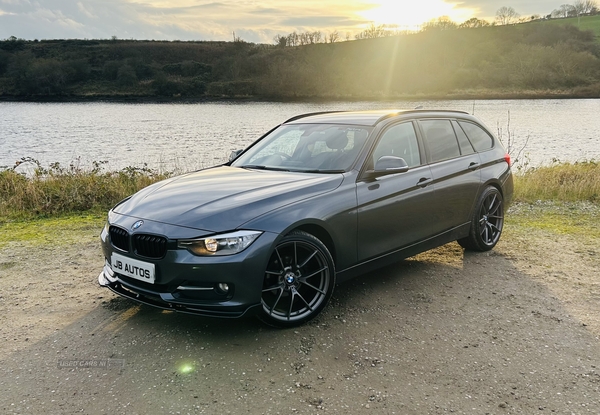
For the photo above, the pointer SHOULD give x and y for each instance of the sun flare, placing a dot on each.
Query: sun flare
(410, 15)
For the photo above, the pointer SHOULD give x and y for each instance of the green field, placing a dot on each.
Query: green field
(585, 23)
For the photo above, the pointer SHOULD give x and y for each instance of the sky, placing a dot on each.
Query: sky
(257, 21)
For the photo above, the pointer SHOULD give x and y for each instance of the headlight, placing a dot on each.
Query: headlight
(225, 244)
(104, 232)
(111, 217)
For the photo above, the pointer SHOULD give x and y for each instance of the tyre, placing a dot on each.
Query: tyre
(486, 223)
(299, 280)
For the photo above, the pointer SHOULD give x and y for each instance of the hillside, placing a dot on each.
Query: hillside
(591, 23)
(517, 61)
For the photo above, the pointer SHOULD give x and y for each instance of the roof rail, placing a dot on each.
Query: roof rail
(416, 110)
(392, 113)
(297, 117)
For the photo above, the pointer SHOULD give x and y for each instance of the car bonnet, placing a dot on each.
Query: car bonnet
(223, 198)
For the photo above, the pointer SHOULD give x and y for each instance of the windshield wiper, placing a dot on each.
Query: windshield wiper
(261, 167)
(254, 166)
(321, 171)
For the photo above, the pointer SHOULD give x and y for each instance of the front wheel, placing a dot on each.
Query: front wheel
(486, 223)
(298, 282)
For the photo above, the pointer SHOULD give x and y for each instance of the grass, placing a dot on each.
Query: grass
(58, 191)
(578, 219)
(584, 23)
(559, 182)
(64, 230)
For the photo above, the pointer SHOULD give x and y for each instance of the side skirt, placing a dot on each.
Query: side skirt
(403, 253)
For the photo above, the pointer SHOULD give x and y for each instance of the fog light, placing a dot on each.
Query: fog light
(224, 288)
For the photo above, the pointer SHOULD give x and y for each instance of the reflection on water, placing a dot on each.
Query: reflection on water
(192, 136)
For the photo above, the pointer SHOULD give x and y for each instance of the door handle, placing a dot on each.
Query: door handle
(424, 181)
(474, 166)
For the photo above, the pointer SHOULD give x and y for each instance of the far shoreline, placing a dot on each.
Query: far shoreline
(451, 96)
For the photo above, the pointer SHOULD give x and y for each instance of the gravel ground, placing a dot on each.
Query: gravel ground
(512, 331)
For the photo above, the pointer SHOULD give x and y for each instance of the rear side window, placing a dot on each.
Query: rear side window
(463, 141)
(480, 139)
(440, 139)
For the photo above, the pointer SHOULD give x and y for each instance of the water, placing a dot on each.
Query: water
(191, 136)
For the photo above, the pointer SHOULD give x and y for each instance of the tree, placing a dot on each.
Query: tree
(12, 43)
(441, 23)
(589, 6)
(334, 36)
(473, 23)
(280, 41)
(583, 7)
(506, 15)
(565, 10)
(293, 39)
(310, 38)
(579, 8)
(372, 32)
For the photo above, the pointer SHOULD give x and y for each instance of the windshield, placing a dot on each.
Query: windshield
(324, 148)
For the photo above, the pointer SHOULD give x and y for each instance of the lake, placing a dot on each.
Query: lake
(191, 136)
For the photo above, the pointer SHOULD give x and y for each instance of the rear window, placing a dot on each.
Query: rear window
(480, 139)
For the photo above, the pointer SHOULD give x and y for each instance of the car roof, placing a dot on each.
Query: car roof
(366, 118)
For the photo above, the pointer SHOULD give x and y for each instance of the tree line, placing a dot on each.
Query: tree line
(492, 60)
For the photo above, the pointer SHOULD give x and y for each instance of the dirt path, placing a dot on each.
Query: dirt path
(512, 331)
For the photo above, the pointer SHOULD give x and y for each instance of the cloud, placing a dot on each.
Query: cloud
(255, 21)
(85, 11)
(321, 21)
(487, 8)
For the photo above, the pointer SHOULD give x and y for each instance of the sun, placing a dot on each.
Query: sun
(410, 15)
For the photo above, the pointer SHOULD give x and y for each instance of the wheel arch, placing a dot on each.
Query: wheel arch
(493, 183)
(320, 233)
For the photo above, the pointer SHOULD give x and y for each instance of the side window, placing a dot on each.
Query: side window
(400, 141)
(463, 141)
(480, 139)
(440, 139)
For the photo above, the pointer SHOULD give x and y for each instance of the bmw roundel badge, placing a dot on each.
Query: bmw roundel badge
(137, 225)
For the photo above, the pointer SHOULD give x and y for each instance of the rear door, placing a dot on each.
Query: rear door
(455, 169)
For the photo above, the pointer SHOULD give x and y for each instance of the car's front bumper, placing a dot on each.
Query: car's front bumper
(167, 301)
(191, 284)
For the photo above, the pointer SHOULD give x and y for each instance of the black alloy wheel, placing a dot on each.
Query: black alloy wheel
(299, 281)
(487, 222)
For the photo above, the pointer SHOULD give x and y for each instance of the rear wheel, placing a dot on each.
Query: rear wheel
(298, 282)
(486, 223)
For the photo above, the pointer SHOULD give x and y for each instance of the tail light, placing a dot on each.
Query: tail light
(507, 158)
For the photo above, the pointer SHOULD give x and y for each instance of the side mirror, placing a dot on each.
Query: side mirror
(387, 165)
(234, 154)
(390, 165)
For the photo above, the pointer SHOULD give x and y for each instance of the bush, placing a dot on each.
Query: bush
(111, 69)
(126, 76)
(164, 86)
(562, 181)
(59, 190)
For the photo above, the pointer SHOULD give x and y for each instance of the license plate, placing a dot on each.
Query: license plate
(140, 270)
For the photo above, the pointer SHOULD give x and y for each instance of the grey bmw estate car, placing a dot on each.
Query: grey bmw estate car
(317, 200)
